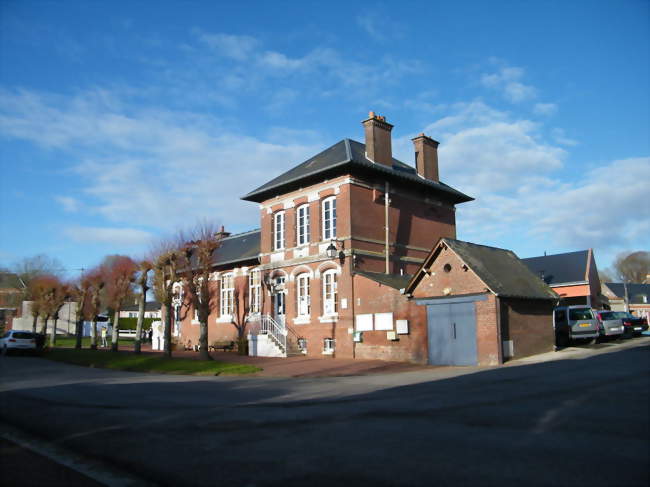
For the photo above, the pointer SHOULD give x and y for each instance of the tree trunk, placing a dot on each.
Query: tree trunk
(93, 335)
(44, 329)
(203, 341)
(53, 332)
(168, 330)
(116, 330)
(79, 331)
(242, 344)
(34, 321)
(138, 327)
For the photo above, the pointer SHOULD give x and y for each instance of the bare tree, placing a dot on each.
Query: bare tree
(632, 266)
(61, 293)
(165, 266)
(39, 265)
(144, 268)
(82, 293)
(45, 289)
(241, 314)
(200, 245)
(95, 278)
(120, 275)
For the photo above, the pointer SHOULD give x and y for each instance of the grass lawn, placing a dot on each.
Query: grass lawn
(146, 362)
(69, 342)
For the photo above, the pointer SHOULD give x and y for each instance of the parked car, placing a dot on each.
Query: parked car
(574, 322)
(17, 340)
(633, 325)
(610, 323)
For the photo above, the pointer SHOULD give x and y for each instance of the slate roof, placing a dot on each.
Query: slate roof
(570, 267)
(396, 281)
(499, 269)
(237, 248)
(9, 280)
(635, 292)
(349, 156)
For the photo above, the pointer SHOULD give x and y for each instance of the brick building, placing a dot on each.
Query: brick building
(341, 236)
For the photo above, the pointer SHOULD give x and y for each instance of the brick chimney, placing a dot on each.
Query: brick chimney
(426, 157)
(222, 233)
(378, 143)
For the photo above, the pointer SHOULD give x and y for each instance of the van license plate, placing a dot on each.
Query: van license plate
(584, 325)
(637, 328)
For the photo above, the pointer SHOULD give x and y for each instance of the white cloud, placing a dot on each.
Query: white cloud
(116, 236)
(559, 135)
(507, 80)
(156, 168)
(70, 205)
(546, 109)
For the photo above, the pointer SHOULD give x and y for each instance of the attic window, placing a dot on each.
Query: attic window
(447, 268)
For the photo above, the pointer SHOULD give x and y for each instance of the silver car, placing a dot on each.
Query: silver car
(610, 323)
(574, 322)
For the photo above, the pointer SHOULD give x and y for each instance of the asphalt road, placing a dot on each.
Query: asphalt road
(582, 420)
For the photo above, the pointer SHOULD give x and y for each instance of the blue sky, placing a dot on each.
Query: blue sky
(121, 122)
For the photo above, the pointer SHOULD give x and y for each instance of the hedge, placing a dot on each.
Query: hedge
(132, 323)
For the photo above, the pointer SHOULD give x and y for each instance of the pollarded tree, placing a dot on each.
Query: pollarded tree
(120, 275)
(96, 282)
(197, 265)
(248, 299)
(82, 293)
(45, 297)
(144, 267)
(165, 267)
(60, 295)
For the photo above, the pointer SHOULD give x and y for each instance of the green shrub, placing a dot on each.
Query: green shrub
(132, 323)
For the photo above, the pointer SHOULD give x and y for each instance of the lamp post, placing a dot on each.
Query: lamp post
(331, 251)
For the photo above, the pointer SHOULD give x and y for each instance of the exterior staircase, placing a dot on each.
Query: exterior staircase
(268, 338)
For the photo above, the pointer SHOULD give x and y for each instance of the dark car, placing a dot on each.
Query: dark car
(632, 324)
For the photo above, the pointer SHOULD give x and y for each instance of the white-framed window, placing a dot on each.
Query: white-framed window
(302, 294)
(329, 218)
(227, 294)
(329, 279)
(133, 315)
(328, 345)
(254, 291)
(302, 225)
(278, 230)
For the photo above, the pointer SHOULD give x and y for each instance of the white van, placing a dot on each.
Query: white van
(574, 322)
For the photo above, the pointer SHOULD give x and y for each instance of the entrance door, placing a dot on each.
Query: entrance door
(278, 300)
(451, 334)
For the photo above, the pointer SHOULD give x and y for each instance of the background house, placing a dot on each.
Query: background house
(572, 275)
(12, 291)
(151, 310)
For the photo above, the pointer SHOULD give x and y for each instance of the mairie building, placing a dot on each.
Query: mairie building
(342, 263)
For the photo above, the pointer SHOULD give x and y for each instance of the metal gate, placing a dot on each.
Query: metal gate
(452, 334)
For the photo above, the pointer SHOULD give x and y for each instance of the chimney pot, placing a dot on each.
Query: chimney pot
(378, 139)
(426, 157)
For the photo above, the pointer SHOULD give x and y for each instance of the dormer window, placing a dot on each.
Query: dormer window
(329, 218)
(302, 225)
(278, 230)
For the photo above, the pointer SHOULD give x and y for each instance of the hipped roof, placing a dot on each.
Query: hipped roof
(349, 156)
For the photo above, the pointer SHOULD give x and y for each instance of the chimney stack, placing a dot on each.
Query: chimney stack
(378, 142)
(426, 157)
(221, 234)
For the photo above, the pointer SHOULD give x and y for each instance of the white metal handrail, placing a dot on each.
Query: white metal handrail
(276, 331)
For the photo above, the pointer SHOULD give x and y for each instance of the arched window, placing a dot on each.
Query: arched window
(329, 218)
(329, 280)
(302, 225)
(278, 230)
(227, 294)
(254, 291)
(302, 294)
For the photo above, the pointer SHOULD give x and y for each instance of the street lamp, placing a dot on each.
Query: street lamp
(331, 250)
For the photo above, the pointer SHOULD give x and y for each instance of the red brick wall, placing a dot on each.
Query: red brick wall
(529, 324)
